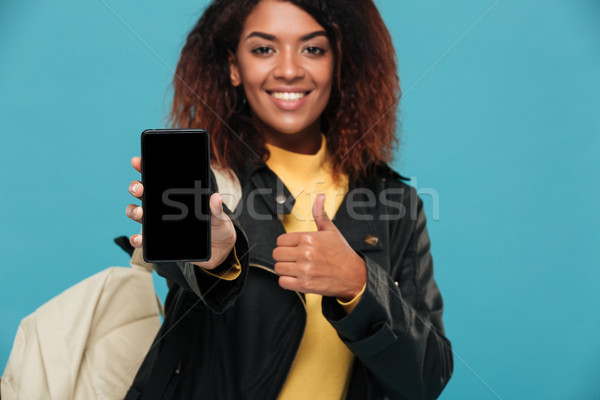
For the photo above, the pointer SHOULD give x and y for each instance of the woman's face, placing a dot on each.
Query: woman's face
(285, 63)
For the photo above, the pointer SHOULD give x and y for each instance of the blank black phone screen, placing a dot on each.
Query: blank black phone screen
(175, 202)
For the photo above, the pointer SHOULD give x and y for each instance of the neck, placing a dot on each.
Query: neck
(306, 141)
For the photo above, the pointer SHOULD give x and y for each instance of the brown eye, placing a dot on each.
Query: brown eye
(262, 50)
(315, 50)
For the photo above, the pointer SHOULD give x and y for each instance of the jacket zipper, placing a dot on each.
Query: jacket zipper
(305, 312)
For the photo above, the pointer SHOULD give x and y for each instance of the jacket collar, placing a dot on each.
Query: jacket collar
(277, 197)
(357, 218)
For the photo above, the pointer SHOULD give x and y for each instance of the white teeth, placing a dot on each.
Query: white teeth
(288, 96)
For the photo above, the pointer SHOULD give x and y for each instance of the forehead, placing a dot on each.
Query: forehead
(280, 18)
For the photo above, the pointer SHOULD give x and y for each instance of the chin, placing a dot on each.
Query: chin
(290, 130)
(292, 126)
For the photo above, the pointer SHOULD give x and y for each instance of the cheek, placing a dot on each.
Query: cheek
(325, 82)
(253, 75)
(324, 77)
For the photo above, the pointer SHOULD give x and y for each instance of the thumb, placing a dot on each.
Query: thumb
(321, 218)
(216, 206)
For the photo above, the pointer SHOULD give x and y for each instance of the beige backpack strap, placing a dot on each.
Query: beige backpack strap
(229, 186)
(137, 262)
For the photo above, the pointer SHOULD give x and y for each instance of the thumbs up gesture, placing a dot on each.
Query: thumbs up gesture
(320, 262)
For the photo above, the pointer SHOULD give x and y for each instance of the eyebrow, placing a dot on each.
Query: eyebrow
(267, 36)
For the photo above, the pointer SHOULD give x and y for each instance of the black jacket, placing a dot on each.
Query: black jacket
(237, 339)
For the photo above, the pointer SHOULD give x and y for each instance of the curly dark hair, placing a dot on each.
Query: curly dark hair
(360, 119)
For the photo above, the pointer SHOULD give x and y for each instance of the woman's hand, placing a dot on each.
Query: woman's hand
(222, 232)
(319, 262)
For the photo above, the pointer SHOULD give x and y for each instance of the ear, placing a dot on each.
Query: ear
(234, 70)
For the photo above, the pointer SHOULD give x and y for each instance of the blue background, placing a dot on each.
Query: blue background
(499, 118)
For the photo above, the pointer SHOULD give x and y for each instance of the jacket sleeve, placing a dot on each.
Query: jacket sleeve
(401, 343)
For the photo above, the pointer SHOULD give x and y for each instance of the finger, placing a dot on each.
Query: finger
(285, 254)
(287, 269)
(136, 188)
(289, 282)
(291, 239)
(136, 240)
(321, 218)
(136, 162)
(134, 212)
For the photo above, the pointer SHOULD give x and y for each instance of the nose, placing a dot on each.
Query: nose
(289, 66)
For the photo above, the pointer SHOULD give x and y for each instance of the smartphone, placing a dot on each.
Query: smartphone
(175, 202)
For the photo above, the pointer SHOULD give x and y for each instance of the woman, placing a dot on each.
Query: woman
(293, 303)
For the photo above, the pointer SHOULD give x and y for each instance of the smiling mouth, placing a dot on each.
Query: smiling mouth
(288, 96)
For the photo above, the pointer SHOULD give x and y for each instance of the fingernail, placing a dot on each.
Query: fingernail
(137, 239)
(134, 188)
(133, 212)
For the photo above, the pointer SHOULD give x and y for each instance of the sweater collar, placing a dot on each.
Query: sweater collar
(289, 161)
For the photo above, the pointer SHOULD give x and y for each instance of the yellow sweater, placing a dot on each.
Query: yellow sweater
(323, 363)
